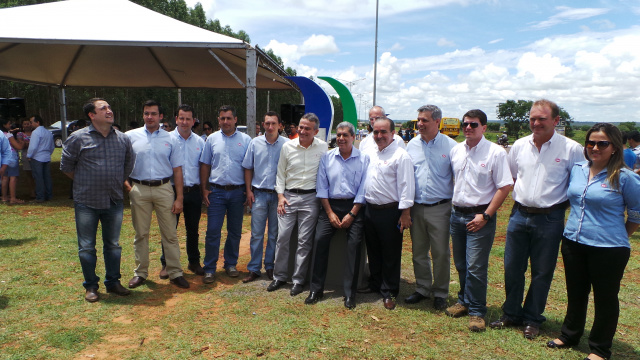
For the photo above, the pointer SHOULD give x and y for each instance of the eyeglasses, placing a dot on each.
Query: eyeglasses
(472, 124)
(600, 144)
(207, 129)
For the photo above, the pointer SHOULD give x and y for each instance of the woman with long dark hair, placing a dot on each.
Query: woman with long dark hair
(595, 245)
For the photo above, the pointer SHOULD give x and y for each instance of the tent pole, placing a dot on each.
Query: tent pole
(179, 96)
(252, 70)
(63, 114)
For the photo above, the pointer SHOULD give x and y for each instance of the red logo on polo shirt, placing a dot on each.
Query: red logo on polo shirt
(603, 185)
(239, 144)
(483, 165)
(444, 155)
(557, 160)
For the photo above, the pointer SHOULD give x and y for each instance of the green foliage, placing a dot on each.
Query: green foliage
(12, 3)
(493, 126)
(515, 115)
(585, 128)
(337, 111)
(627, 126)
(568, 120)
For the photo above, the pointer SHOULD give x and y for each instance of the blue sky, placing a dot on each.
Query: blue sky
(457, 54)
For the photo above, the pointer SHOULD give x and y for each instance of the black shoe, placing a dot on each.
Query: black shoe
(196, 268)
(313, 297)
(180, 282)
(269, 274)
(91, 295)
(350, 302)
(504, 322)
(136, 281)
(531, 331)
(118, 289)
(296, 289)
(415, 298)
(439, 303)
(366, 290)
(554, 345)
(275, 285)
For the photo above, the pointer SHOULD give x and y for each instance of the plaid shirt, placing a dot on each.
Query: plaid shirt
(100, 165)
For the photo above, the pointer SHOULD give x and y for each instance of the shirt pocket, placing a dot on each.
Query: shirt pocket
(442, 166)
(557, 172)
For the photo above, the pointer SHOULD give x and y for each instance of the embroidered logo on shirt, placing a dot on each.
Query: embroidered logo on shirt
(603, 185)
(444, 155)
(557, 160)
(239, 144)
(483, 165)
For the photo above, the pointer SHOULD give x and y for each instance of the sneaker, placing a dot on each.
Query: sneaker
(457, 310)
(476, 323)
(232, 271)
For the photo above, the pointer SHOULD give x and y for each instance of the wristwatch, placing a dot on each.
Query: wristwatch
(486, 216)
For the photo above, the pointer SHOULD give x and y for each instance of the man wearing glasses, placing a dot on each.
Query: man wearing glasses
(293, 131)
(482, 182)
(368, 144)
(207, 129)
(540, 164)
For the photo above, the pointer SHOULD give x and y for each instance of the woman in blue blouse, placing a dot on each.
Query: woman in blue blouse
(595, 245)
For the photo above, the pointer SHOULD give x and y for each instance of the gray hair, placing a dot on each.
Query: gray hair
(392, 125)
(313, 118)
(348, 125)
(436, 113)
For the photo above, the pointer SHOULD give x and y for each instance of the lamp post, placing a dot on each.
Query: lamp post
(375, 60)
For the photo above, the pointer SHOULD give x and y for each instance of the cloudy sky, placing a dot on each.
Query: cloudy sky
(457, 54)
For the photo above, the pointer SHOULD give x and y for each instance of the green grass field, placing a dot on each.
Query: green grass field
(43, 314)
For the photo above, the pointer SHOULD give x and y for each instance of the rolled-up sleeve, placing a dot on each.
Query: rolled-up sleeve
(406, 182)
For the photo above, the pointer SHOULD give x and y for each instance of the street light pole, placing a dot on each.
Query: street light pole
(375, 62)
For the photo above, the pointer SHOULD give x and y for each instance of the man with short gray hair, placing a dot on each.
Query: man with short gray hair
(368, 144)
(431, 210)
(296, 188)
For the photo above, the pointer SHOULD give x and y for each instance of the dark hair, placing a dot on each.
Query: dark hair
(207, 123)
(392, 125)
(634, 135)
(150, 103)
(117, 126)
(187, 108)
(616, 162)
(4, 121)
(90, 106)
(624, 137)
(555, 110)
(37, 119)
(273, 113)
(225, 108)
(476, 114)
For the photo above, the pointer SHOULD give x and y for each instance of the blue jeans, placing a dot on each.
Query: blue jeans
(536, 237)
(223, 202)
(471, 257)
(264, 208)
(87, 227)
(42, 176)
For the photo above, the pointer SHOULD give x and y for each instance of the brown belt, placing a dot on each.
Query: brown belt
(270, 191)
(534, 210)
(383, 206)
(471, 210)
(151, 182)
(435, 203)
(226, 187)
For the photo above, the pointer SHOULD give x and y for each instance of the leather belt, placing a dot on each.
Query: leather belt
(301, 191)
(151, 182)
(383, 206)
(188, 189)
(534, 210)
(270, 191)
(471, 210)
(226, 187)
(444, 201)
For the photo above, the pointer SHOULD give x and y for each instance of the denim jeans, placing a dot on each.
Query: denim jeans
(87, 227)
(42, 176)
(536, 237)
(223, 202)
(471, 257)
(264, 209)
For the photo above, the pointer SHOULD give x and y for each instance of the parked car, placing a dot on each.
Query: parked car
(56, 131)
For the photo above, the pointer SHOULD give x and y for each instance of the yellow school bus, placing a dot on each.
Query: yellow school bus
(448, 126)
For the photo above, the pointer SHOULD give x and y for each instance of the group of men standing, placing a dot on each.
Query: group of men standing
(436, 188)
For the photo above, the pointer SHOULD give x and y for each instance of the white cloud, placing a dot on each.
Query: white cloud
(319, 45)
(444, 42)
(543, 68)
(495, 41)
(396, 47)
(568, 14)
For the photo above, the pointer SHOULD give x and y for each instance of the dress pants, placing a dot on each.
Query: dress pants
(384, 248)
(601, 268)
(430, 233)
(303, 208)
(145, 199)
(192, 210)
(324, 233)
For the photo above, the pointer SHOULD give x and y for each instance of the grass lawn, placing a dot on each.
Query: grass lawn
(43, 314)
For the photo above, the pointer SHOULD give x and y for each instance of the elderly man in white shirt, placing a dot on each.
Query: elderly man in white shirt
(541, 164)
(482, 182)
(389, 192)
(297, 202)
(369, 144)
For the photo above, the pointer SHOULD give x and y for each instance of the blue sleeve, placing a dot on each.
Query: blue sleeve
(247, 162)
(322, 183)
(630, 188)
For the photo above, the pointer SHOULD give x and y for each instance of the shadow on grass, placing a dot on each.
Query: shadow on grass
(4, 302)
(5, 243)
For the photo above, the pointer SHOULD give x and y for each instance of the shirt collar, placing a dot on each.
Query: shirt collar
(229, 136)
(354, 152)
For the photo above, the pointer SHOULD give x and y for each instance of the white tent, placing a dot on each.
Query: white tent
(116, 43)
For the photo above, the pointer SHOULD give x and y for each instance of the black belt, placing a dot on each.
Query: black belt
(471, 210)
(301, 191)
(270, 191)
(383, 206)
(435, 203)
(226, 187)
(534, 210)
(188, 189)
(152, 182)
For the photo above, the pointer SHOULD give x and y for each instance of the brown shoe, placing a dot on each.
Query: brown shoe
(118, 289)
(91, 295)
(269, 274)
(163, 273)
(180, 282)
(136, 281)
(457, 310)
(476, 323)
(251, 277)
(389, 304)
(196, 269)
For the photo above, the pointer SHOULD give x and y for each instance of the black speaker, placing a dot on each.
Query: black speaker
(291, 113)
(16, 108)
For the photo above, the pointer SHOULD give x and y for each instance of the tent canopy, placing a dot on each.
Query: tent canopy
(116, 43)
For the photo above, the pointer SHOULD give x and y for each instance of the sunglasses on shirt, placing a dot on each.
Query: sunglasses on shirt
(601, 144)
(472, 124)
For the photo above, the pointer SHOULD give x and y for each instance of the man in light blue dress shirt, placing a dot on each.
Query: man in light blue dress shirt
(260, 167)
(222, 182)
(158, 159)
(431, 209)
(41, 147)
(340, 188)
